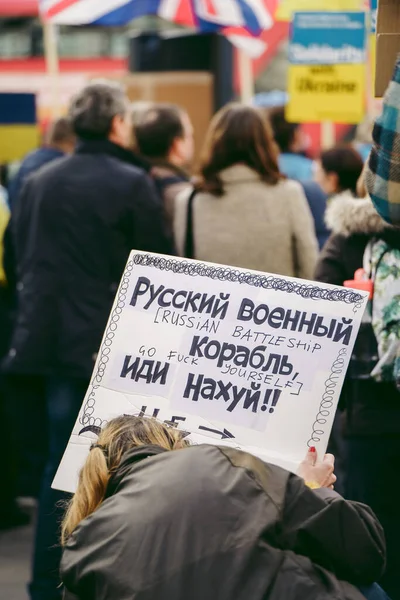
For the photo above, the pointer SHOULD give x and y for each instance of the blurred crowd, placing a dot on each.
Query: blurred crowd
(112, 177)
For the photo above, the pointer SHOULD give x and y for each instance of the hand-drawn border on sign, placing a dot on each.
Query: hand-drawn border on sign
(87, 420)
(199, 269)
(328, 397)
(257, 280)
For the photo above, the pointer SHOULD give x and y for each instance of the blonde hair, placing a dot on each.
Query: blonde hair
(119, 436)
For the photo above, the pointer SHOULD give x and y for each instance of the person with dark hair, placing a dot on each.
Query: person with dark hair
(154, 518)
(164, 136)
(292, 144)
(60, 140)
(73, 227)
(290, 141)
(243, 211)
(338, 170)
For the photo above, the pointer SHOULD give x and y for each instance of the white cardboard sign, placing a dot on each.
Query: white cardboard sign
(230, 356)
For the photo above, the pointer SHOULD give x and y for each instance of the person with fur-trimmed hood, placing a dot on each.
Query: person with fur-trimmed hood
(371, 416)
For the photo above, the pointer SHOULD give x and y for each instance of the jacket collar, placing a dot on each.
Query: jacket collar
(104, 146)
(128, 461)
(50, 151)
(163, 168)
(239, 172)
(347, 216)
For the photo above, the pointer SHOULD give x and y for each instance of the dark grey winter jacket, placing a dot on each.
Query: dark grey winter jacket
(209, 523)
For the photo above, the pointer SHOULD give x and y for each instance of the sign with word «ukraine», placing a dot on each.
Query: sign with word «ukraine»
(229, 356)
(327, 74)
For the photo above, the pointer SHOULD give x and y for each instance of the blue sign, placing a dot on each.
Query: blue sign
(328, 38)
(374, 15)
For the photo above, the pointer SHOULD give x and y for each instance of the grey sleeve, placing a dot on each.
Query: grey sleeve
(330, 266)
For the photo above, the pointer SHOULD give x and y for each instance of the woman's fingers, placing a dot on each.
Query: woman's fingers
(321, 473)
(329, 459)
(311, 456)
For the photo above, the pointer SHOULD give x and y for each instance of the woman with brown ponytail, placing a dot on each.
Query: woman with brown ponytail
(152, 522)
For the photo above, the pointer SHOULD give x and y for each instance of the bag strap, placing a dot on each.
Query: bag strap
(367, 260)
(189, 241)
(368, 256)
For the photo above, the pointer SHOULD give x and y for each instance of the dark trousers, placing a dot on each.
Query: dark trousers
(23, 441)
(64, 398)
(26, 408)
(372, 478)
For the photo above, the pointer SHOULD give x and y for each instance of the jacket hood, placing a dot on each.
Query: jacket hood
(347, 216)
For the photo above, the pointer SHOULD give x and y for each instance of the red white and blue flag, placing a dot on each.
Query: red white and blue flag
(238, 19)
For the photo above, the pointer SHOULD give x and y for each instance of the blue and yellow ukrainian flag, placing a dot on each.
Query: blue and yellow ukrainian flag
(19, 130)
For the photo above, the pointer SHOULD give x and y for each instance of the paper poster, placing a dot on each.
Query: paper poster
(288, 7)
(327, 73)
(228, 356)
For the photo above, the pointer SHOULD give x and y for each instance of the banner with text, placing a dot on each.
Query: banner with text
(229, 356)
(288, 7)
(327, 73)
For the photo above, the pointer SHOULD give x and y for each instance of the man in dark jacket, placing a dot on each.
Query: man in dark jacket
(73, 227)
(61, 140)
(164, 136)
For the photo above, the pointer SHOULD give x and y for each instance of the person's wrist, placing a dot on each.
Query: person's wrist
(313, 485)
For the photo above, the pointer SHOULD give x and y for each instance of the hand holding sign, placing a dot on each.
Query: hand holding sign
(319, 473)
(229, 356)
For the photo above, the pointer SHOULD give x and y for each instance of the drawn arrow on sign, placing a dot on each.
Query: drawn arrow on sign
(92, 428)
(224, 434)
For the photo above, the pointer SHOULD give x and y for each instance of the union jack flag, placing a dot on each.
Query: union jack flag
(241, 20)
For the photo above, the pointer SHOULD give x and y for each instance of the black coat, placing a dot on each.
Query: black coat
(31, 163)
(73, 227)
(371, 408)
(209, 523)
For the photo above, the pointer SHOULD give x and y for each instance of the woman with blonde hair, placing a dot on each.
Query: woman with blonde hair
(156, 519)
(243, 212)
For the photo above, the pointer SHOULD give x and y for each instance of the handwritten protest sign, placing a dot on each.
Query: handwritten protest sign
(327, 74)
(229, 356)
